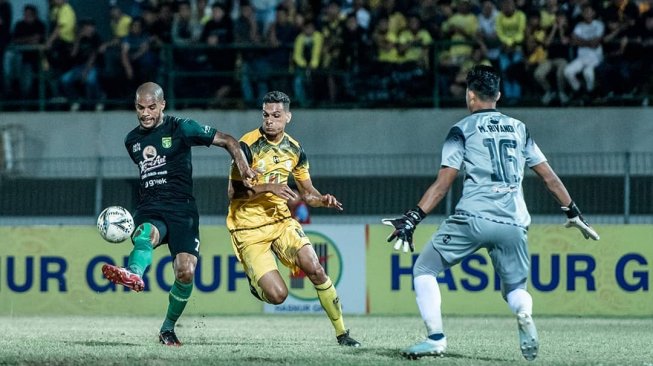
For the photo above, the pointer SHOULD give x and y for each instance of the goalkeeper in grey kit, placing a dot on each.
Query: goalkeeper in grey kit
(166, 213)
(492, 150)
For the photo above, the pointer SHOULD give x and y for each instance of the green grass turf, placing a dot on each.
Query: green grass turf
(309, 340)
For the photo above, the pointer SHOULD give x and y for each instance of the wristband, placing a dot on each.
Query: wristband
(571, 211)
(416, 214)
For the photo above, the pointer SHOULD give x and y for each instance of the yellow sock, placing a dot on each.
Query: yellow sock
(326, 292)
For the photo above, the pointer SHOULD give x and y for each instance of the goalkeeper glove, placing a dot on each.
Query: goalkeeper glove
(404, 228)
(575, 219)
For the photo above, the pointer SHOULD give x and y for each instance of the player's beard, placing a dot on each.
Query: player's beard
(272, 133)
(155, 123)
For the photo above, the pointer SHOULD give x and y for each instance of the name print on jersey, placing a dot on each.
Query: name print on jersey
(496, 128)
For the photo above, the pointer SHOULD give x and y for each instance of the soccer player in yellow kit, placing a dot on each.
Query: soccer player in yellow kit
(262, 226)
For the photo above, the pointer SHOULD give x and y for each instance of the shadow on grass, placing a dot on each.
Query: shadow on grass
(489, 359)
(254, 343)
(396, 355)
(258, 344)
(100, 343)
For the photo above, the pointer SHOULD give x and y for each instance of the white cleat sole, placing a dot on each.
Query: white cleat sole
(528, 340)
(417, 356)
(427, 348)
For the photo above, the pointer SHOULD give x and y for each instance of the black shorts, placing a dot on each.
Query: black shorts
(178, 225)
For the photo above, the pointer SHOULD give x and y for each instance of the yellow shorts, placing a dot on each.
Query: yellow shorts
(256, 248)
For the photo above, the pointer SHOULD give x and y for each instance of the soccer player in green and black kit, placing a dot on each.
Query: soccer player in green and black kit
(166, 211)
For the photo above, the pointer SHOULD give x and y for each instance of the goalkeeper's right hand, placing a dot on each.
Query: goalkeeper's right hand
(575, 219)
(404, 227)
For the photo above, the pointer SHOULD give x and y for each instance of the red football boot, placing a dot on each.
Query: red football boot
(123, 276)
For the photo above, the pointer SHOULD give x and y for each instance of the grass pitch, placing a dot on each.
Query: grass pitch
(309, 340)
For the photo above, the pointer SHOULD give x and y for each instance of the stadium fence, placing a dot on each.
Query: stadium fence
(615, 186)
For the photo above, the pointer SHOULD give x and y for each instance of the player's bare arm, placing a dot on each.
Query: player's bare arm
(438, 190)
(231, 145)
(314, 198)
(560, 193)
(553, 183)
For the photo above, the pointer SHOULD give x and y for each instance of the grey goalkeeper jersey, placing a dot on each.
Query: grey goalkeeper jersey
(492, 149)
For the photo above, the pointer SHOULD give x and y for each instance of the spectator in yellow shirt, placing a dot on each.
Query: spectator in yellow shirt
(119, 22)
(63, 20)
(414, 43)
(59, 44)
(511, 29)
(385, 43)
(396, 19)
(306, 58)
(461, 27)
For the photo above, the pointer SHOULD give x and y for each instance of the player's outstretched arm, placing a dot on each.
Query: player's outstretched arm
(568, 206)
(405, 225)
(314, 198)
(231, 145)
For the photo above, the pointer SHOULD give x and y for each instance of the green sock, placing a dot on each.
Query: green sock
(179, 295)
(141, 256)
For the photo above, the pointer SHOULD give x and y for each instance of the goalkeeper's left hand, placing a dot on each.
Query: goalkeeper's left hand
(404, 228)
(575, 219)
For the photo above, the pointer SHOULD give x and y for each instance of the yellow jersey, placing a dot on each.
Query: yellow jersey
(120, 28)
(64, 17)
(274, 162)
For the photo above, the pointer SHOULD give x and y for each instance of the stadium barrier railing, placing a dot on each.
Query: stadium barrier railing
(614, 185)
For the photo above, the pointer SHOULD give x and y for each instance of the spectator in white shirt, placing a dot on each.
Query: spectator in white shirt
(587, 37)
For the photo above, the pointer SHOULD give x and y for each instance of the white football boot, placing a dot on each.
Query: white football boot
(428, 347)
(528, 341)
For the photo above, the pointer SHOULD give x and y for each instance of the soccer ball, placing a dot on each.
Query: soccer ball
(115, 224)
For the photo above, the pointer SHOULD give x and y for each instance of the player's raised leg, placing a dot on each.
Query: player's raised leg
(260, 264)
(139, 259)
(326, 292)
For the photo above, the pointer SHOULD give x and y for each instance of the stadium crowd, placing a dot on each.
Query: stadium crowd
(562, 52)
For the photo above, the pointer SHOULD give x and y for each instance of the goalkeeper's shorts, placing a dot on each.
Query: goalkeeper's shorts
(461, 235)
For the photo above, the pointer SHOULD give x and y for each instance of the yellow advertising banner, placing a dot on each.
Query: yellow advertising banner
(569, 275)
(57, 270)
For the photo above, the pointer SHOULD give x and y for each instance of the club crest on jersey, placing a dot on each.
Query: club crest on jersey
(136, 147)
(149, 152)
(275, 159)
(300, 233)
(166, 142)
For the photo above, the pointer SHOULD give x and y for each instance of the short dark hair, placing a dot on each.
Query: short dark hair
(30, 7)
(86, 21)
(277, 97)
(484, 81)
